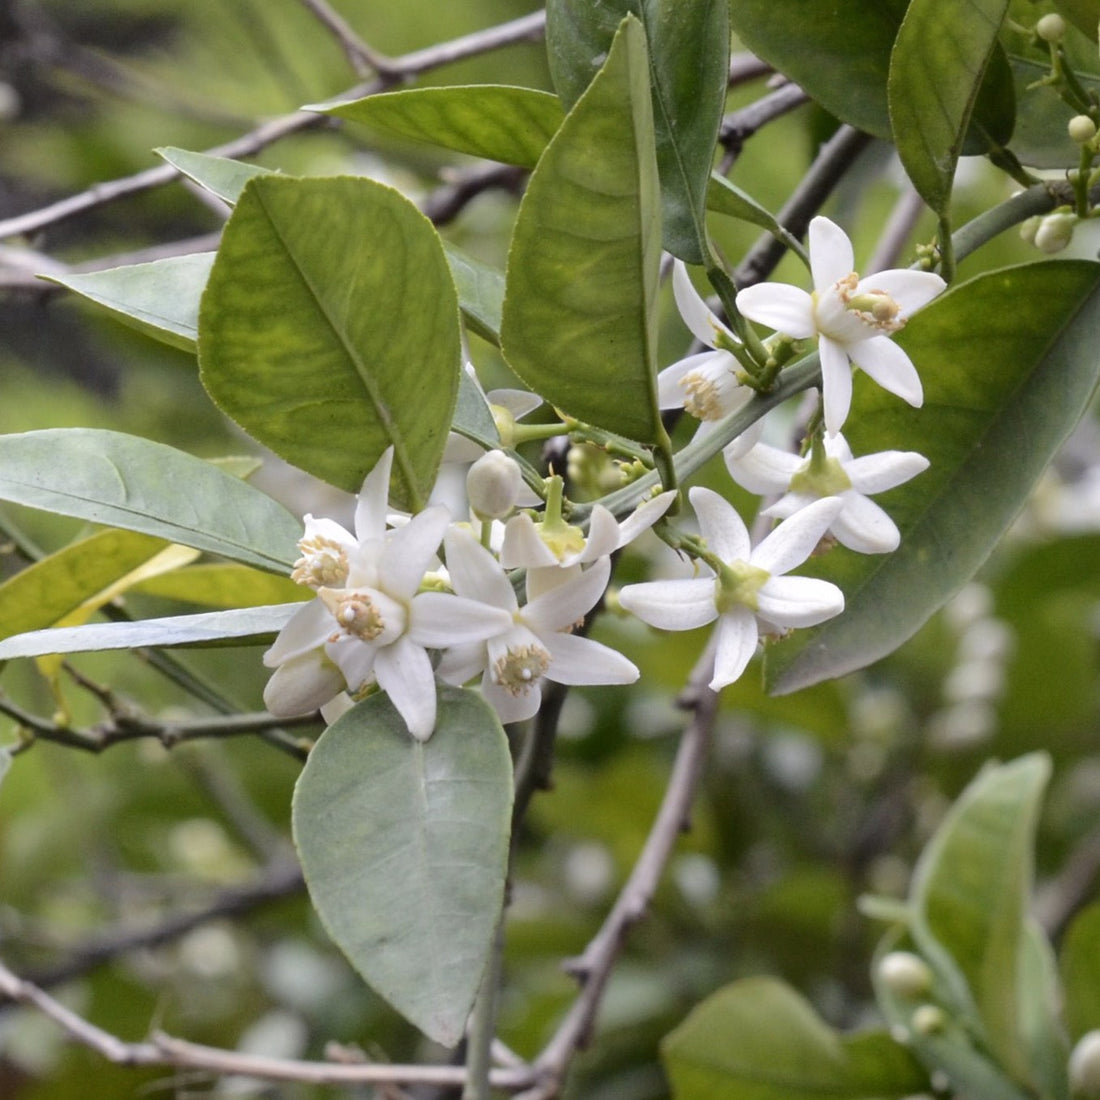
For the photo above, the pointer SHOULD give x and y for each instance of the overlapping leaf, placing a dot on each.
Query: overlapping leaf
(220, 176)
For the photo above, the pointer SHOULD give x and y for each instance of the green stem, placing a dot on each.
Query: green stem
(527, 433)
(1081, 183)
(947, 249)
(727, 292)
(479, 1042)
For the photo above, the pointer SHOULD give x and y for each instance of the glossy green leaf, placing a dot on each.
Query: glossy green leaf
(757, 1039)
(970, 893)
(123, 481)
(474, 416)
(329, 329)
(243, 626)
(218, 175)
(1008, 364)
(580, 316)
(222, 585)
(509, 124)
(159, 298)
(936, 70)
(404, 845)
(724, 197)
(1079, 963)
(480, 292)
(840, 54)
(688, 44)
(49, 589)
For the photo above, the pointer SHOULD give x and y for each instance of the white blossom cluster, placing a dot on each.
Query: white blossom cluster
(390, 615)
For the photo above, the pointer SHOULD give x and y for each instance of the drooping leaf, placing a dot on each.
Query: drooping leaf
(970, 893)
(159, 298)
(508, 124)
(218, 175)
(49, 589)
(244, 626)
(929, 116)
(579, 323)
(404, 845)
(1008, 364)
(757, 1039)
(329, 329)
(123, 481)
(688, 42)
(1079, 964)
(222, 585)
(725, 197)
(480, 292)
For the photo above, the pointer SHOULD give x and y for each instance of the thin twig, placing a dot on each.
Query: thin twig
(362, 58)
(898, 229)
(738, 126)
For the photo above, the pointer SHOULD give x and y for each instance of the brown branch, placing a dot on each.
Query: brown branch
(361, 57)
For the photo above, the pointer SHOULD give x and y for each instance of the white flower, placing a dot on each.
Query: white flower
(861, 524)
(749, 596)
(852, 318)
(704, 385)
(535, 641)
(373, 624)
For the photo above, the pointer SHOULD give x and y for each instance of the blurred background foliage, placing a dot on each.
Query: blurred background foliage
(809, 801)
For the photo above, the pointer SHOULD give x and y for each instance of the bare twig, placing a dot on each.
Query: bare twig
(899, 227)
(738, 126)
(362, 58)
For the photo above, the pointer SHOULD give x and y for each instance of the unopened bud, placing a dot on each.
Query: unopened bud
(1082, 129)
(1084, 1067)
(492, 485)
(1055, 232)
(929, 1020)
(905, 974)
(1051, 28)
(1029, 228)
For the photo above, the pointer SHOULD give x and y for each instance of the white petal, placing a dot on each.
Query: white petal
(438, 619)
(475, 573)
(794, 540)
(890, 367)
(307, 629)
(404, 672)
(576, 660)
(736, 640)
(864, 527)
(878, 472)
(910, 289)
(541, 581)
(644, 517)
(518, 402)
(670, 390)
(763, 469)
(786, 309)
(798, 601)
(836, 446)
(523, 547)
(831, 255)
(569, 602)
(370, 509)
(302, 684)
(672, 605)
(721, 526)
(700, 321)
(509, 707)
(788, 504)
(355, 659)
(461, 663)
(603, 536)
(327, 529)
(836, 383)
(409, 551)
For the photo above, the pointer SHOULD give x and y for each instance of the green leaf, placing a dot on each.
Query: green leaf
(1042, 1037)
(123, 481)
(244, 626)
(1041, 138)
(688, 43)
(1008, 364)
(580, 317)
(222, 585)
(929, 113)
(329, 329)
(480, 292)
(218, 175)
(724, 197)
(404, 845)
(1083, 14)
(473, 414)
(1079, 964)
(159, 298)
(49, 589)
(757, 1039)
(970, 893)
(508, 124)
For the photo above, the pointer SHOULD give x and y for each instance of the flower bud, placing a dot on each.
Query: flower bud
(905, 974)
(929, 1020)
(1082, 129)
(492, 485)
(302, 684)
(1055, 232)
(1029, 228)
(1084, 1067)
(1051, 28)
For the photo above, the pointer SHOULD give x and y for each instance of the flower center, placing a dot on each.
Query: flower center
(875, 308)
(708, 392)
(323, 564)
(521, 668)
(364, 614)
(824, 478)
(737, 584)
